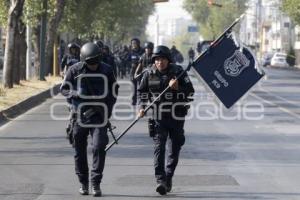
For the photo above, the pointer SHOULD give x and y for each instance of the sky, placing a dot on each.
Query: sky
(167, 10)
(171, 9)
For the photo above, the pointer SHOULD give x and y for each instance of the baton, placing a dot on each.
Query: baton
(214, 43)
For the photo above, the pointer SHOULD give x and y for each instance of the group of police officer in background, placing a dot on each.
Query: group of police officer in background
(90, 71)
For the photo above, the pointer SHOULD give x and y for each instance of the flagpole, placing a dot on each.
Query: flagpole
(176, 78)
(216, 41)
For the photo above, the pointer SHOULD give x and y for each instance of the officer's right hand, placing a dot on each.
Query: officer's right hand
(141, 113)
(74, 94)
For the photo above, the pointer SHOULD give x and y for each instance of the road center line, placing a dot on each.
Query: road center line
(278, 106)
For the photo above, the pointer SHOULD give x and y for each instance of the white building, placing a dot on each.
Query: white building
(266, 28)
(168, 29)
(297, 44)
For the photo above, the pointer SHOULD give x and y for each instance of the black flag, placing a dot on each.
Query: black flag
(228, 69)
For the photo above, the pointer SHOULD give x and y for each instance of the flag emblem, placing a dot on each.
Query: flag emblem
(235, 64)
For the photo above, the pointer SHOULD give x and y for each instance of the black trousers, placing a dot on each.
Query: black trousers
(134, 95)
(169, 132)
(99, 142)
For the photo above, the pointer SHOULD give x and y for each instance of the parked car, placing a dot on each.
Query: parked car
(266, 60)
(279, 60)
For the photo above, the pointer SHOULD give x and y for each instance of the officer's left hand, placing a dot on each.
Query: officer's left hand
(173, 84)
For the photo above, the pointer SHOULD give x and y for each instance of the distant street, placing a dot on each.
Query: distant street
(251, 154)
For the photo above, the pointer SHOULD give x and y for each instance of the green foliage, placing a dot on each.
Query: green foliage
(212, 19)
(114, 18)
(4, 5)
(291, 57)
(33, 11)
(292, 8)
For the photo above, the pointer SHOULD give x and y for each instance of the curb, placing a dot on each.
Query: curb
(25, 105)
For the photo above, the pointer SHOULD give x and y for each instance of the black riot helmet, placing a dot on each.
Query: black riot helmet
(137, 41)
(161, 51)
(149, 45)
(99, 43)
(90, 53)
(106, 49)
(73, 45)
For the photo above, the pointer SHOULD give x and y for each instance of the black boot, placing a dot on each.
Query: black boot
(161, 188)
(84, 189)
(169, 184)
(96, 191)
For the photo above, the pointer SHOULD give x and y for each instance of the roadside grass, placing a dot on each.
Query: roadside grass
(26, 89)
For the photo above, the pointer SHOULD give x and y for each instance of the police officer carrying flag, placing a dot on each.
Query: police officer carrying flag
(84, 83)
(168, 113)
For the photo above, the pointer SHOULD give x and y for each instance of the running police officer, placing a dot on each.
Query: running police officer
(92, 88)
(191, 54)
(71, 58)
(169, 113)
(145, 60)
(134, 56)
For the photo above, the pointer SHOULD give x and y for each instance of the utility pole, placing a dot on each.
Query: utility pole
(157, 30)
(55, 58)
(43, 41)
(28, 52)
(259, 27)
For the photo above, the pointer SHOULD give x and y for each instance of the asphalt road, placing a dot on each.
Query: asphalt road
(249, 152)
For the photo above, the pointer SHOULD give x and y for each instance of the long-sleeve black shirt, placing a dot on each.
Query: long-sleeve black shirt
(80, 83)
(154, 82)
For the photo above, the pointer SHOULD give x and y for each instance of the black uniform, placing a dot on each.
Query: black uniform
(69, 60)
(191, 54)
(99, 134)
(134, 57)
(145, 61)
(109, 59)
(167, 124)
(124, 57)
(176, 55)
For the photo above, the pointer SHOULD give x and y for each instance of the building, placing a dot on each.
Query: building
(266, 28)
(297, 45)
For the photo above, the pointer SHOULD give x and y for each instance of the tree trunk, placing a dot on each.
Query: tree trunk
(15, 12)
(36, 45)
(16, 61)
(19, 64)
(23, 50)
(51, 35)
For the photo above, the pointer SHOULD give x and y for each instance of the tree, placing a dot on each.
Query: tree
(14, 15)
(291, 57)
(292, 8)
(52, 32)
(33, 13)
(212, 20)
(110, 21)
(4, 5)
